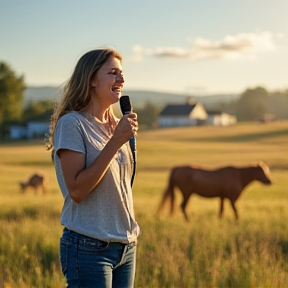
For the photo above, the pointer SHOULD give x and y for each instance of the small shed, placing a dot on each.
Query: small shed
(218, 118)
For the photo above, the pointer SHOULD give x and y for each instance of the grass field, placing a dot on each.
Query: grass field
(204, 253)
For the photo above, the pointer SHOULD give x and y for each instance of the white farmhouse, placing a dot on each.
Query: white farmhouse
(189, 114)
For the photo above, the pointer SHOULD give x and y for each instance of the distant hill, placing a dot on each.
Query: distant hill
(38, 93)
(138, 97)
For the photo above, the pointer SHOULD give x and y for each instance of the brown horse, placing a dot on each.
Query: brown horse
(226, 182)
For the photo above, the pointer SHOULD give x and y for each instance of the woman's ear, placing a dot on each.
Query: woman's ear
(93, 82)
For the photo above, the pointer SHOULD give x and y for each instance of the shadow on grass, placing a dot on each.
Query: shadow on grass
(28, 212)
(284, 248)
(249, 137)
(29, 163)
(21, 143)
(36, 163)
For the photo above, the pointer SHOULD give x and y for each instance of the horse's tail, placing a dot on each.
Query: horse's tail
(169, 194)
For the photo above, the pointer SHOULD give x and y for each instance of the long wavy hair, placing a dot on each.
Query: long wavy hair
(76, 96)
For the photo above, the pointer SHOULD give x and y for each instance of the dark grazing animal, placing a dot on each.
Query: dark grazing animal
(226, 182)
(35, 181)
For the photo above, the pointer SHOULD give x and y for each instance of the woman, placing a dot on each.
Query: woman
(93, 164)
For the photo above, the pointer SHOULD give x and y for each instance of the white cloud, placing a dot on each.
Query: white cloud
(231, 46)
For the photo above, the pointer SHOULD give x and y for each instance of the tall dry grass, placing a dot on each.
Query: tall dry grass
(206, 252)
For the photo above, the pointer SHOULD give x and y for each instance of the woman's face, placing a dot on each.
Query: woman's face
(108, 81)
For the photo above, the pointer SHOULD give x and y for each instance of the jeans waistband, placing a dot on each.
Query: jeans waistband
(129, 244)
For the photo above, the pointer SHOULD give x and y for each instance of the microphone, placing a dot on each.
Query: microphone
(126, 108)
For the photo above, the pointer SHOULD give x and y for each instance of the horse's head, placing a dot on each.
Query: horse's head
(22, 186)
(264, 175)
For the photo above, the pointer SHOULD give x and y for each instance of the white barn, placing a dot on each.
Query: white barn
(36, 129)
(33, 129)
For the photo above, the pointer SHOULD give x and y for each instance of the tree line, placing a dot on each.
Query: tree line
(252, 104)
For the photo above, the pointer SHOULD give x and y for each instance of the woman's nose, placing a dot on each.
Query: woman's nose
(120, 78)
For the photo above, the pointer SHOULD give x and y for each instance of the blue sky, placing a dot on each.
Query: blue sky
(187, 46)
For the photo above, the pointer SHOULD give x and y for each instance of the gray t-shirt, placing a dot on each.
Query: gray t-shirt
(107, 212)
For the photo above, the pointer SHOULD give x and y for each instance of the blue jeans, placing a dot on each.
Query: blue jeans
(91, 263)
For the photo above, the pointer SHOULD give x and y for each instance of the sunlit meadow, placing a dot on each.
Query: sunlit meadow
(204, 253)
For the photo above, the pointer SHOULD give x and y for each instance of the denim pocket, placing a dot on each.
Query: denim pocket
(64, 247)
(88, 244)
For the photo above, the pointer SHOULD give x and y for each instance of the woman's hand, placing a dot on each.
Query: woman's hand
(126, 128)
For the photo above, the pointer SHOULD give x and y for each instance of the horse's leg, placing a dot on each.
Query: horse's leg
(221, 207)
(43, 188)
(184, 204)
(234, 208)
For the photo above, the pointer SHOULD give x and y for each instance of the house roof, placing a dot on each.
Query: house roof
(214, 112)
(177, 110)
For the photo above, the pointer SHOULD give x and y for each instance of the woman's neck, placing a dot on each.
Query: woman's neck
(99, 114)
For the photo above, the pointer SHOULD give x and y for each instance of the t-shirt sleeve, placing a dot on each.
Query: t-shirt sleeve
(69, 134)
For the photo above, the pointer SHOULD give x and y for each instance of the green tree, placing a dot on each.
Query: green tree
(278, 104)
(147, 116)
(11, 94)
(40, 110)
(252, 104)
